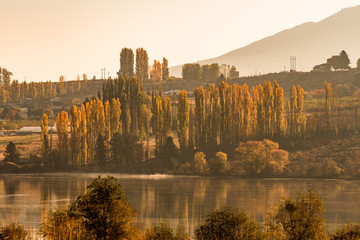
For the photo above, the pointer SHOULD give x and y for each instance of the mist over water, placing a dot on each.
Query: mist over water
(174, 200)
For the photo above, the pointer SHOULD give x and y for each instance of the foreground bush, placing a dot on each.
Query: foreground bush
(347, 232)
(298, 218)
(164, 232)
(59, 225)
(14, 232)
(228, 223)
(103, 212)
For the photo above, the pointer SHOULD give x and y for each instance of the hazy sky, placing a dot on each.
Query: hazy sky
(42, 39)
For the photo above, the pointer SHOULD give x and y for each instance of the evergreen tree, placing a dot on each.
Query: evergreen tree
(11, 153)
(100, 152)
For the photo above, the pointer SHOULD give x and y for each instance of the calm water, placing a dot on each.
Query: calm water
(175, 200)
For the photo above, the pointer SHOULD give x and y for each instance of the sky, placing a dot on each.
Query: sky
(43, 39)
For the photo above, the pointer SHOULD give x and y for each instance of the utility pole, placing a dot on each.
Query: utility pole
(103, 73)
(292, 63)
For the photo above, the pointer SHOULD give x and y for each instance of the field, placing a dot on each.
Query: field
(25, 144)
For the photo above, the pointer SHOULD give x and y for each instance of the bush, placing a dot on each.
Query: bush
(260, 158)
(219, 164)
(200, 166)
(330, 168)
(164, 232)
(161, 232)
(298, 218)
(347, 232)
(59, 225)
(14, 231)
(104, 210)
(228, 223)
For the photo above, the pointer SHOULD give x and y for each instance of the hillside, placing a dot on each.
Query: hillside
(307, 80)
(311, 43)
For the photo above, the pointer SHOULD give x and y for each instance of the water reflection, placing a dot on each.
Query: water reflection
(177, 201)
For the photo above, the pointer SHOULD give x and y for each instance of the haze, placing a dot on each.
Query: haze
(42, 40)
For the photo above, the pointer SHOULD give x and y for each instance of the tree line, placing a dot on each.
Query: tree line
(116, 128)
(13, 91)
(158, 71)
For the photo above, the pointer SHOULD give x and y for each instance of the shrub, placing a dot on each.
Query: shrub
(14, 231)
(260, 158)
(219, 165)
(200, 166)
(59, 225)
(228, 223)
(300, 217)
(164, 232)
(161, 232)
(347, 232)
(104, 210)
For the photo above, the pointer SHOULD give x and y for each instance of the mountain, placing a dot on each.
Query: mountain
(311, 43)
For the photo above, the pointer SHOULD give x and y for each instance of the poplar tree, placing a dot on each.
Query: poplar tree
(199, 117)
(32, 90)
(156, 71)
(268, 108)
(183, 120)
(247, 103)
(142, 64)
(165, 69)
(126, 62)
(62, 132)
(158, 124)
(45, 146)
(15, 91)
(115, 113)
(146, 115)
(167, 115)
(75, 138)
(329, 100)
(300, 116)
(24, 90)
(278, 107)
(108, 132)
(83, 136)
(3, 95)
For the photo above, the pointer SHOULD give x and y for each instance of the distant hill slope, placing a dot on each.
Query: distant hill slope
(312, 43)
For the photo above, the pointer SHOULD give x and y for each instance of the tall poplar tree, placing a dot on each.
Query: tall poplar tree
(165, 69)
(329, 100)
(62, 132)
(45, 145)
(75, 138)
(142, 64)
(126, 62)
(115, 113)
(183, 120)
(83, 136)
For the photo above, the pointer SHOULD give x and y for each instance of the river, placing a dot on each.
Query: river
(174, 200)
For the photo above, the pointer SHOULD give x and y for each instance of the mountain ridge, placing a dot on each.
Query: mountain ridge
(311, 42)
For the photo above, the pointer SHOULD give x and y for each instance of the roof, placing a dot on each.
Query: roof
(33, 129)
